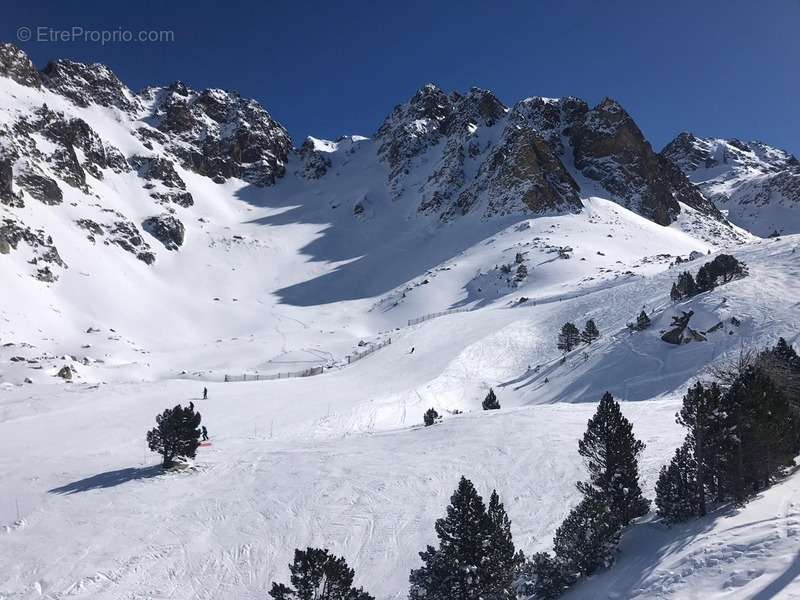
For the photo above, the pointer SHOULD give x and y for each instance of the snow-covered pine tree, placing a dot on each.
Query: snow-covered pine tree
(587, 538)
(503, 560)
(642, 321)
(466, 566)
(522, 272)
(318, 575)
(686, 285)
(703, 415)
(543, 577)
(569, 337)
(590, 333)
(677, 497)
(675, 293)
(490, 402)
(176, 434)
(611, 453)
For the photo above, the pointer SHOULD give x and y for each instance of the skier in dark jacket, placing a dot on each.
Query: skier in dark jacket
(204, 431)
(205, 393)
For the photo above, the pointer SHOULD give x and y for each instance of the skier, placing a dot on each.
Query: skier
(204, 431)
(412, 350)
(205, 393)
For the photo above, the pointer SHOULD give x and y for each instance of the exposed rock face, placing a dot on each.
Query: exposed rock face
(12, 232)
(530, 159)
(126, 235)
(6, 181)
(220, 135)
(315, 163)
(89, 84)
(681, 333)
(610, 148)
(16, 65)
(757, 184)
(41, 187)
(166, 229)
(162, 170)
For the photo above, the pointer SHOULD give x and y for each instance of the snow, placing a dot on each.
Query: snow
(285, 278)
(340, 460)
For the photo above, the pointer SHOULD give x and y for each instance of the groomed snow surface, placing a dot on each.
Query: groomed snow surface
(341, 460)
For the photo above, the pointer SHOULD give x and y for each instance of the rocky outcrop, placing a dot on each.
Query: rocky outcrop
(126, 235)
(531, 160)
(14, 232)
(609, 147)
(315, 161)
(166, 229)
(16, 65)
(7, 195)
(680, 332)
(41, 187)
(89, 84)
(221, 135)
(159, 169)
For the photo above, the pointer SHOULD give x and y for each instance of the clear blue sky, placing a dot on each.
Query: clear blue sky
(726, 68)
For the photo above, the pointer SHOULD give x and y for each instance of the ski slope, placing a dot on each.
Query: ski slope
(340, 460)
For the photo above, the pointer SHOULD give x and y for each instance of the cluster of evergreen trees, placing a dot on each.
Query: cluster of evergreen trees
(612, 498)
(722, 269)
(570, 336)
(317, 574)
(742, 432)
(475, 558)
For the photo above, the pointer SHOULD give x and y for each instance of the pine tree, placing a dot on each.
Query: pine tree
(490, 402)
(522, 272)
(703, 415)
(686, 285)
(675, 293)
(705, 279)
(586, 540)
(569, 337)
(590, 332)
(611, 453)
(176, 434)
(467, 565)
(503, 561)
(318, 575)
(677, 497)
(642, 321)
(430, 417)
(544, 577)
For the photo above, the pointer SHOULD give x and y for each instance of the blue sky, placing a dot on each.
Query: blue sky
(727, 68)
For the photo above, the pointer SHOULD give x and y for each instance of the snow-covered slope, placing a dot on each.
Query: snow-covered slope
(340, 459)
(756, 185)
(153, 243)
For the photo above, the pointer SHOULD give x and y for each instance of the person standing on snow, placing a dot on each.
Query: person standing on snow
(205, 393)
(204, 431)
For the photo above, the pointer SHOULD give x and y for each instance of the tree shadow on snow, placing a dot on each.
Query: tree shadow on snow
(108, 479)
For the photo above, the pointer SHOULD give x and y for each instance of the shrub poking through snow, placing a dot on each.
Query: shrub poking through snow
(642, 322)
(490, 402)
(430, 417)
(318, 575)
(177, 433)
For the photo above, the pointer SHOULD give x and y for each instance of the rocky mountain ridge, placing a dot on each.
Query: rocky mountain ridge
(445, 155)
(756, 184)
